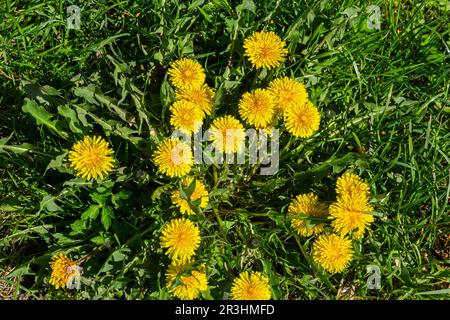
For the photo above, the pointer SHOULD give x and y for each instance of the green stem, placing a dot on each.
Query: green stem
(220, 222)
(316, 272)
(233, 43)
(215, 176)
(258, 72)
(286, 149)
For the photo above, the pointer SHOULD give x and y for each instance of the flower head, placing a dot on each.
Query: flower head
(227, 134)
(350, 183)
(192, 282)
(91, 158)
(199, 194)
(302, 120)
(181, 238)
(64, 270)
(186, 73)
(287, 93)
(257, 108)
(186, 116)
(265, 49)
(351, 214)
(173, 158)
(202, 97)
(250, 286)
(333, 252)
(307, 204)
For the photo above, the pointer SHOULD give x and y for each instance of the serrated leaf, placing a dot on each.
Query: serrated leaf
(99, 198)
(107, 215)
(227, 225)
(48, 203)
(78, 227)
(120, 254)
(105, 125)
(57, 164)
(87, 93)
(137, 96)
(77, 182)
(81, 114)
(99, 240)
(105, 187)
(71, 116)
(20, 271)
(49, 90)
(43, 94)
(91, 213)
(117, 197)
(18, 149)
(246, 5)
(112, 106)
(62, 239)
(43, 117)
(159, 191)
(127, 133)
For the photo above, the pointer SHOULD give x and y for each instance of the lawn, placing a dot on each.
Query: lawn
(377, 72)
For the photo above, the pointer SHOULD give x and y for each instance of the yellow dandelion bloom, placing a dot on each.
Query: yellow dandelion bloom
(302, 120)
(307, 204)
(265, 49)
(287, 93)
(350, 214)
(333, 252)
(64, 270)
(257, 108)
(181, 238)
(91, 158)
(250, 286)
(350, 183)
(227, 134)
(199, 193)
(186, 73)
(192, 284)
(186, 116)
(173, 158)
(202, 97)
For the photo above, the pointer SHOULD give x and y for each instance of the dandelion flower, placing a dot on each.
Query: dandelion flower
(173, 158)
(350, 183)
(181, 238)
(202, 97)
(186, 116)
(91, 158)
(192, 283)
(265, 49)
(350, 214)
(307, 204)
(64, 270)
(186, 73)
(199, 193)
(287, 93)
(227, 134)
(302, 120)
(333, 252)
(250, 286)
(257, 108)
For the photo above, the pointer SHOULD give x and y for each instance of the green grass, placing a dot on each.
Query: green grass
(384, 101)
